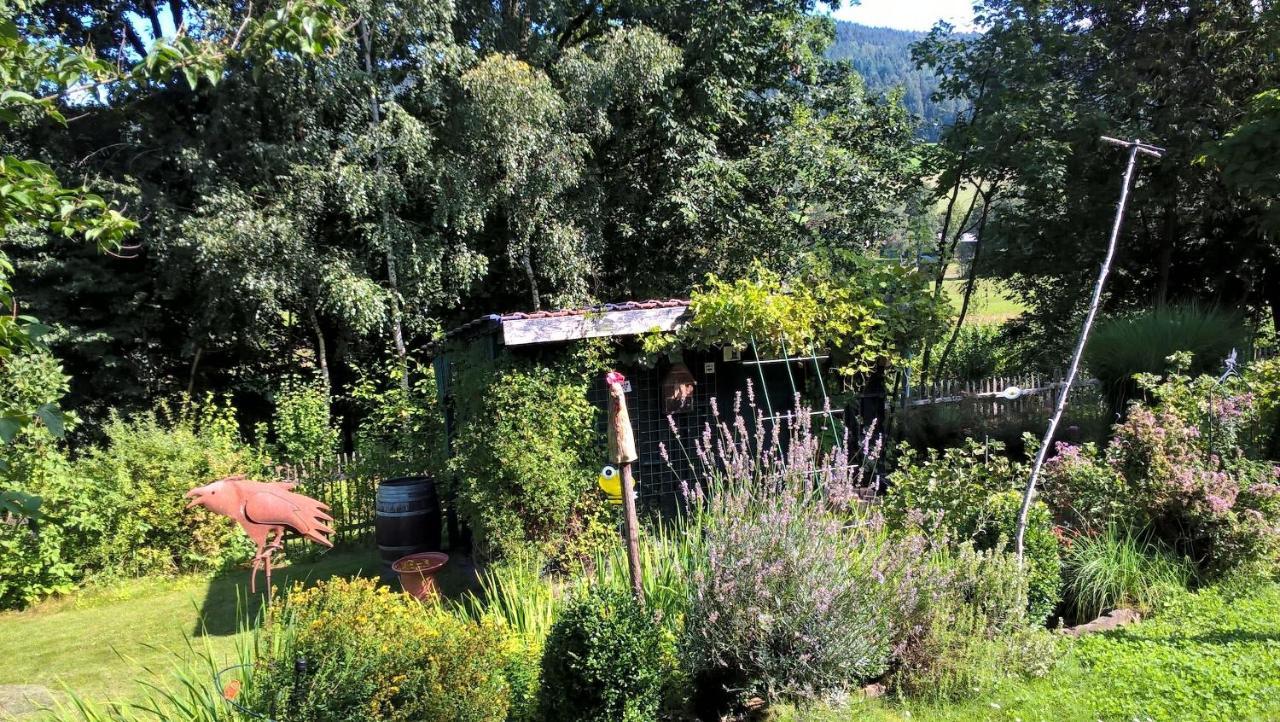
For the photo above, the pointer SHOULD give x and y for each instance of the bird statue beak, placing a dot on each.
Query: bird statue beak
(194, 495)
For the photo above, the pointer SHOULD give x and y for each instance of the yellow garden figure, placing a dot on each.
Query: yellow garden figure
(610, 482)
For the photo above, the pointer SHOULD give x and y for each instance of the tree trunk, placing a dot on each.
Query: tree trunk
(969, 284)
(375, 119)
(1168, 238)
(527, 262)
(195, 364)
(322, 354)
(947, 241)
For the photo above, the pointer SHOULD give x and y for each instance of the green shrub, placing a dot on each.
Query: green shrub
(373, 654)
(34, 560)
(969, 629)
(973, 493)
(605, 660)
(301, 422)
(1175, 468)
(1122, 347)
(1262, 380)
(1041, 550)
(1117, 568)
(122, 509)
(979, 353)
(401, 430)
(526, 458)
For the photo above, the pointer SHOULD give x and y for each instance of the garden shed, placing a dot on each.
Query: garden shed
(670, 400)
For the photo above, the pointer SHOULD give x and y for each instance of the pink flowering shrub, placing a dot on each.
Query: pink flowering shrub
(1176, 468)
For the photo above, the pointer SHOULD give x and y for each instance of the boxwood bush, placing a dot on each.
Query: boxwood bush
(605, 660)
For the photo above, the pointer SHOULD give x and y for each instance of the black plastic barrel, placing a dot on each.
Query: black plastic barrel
(408, 518)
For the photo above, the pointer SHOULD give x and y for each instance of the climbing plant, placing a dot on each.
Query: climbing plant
(526, 453)
(878, 311)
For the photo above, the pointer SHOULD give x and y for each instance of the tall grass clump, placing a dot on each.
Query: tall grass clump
(520, 594)
(1118, 568)
(671, 554)
(1123, 346)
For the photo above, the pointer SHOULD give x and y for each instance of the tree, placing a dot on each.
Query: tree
(37, 71)
(1055, 76)
(497, 156)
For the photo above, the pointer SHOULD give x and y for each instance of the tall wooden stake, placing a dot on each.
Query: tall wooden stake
(1135, 147)
(622, 451)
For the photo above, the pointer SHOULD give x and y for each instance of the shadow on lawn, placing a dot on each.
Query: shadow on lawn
(228, 604)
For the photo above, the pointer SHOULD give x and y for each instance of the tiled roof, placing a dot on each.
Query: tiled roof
(495, 319)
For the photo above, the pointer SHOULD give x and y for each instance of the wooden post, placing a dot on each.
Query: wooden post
(622, 451)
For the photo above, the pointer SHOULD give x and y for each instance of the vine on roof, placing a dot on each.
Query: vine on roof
(880, 311)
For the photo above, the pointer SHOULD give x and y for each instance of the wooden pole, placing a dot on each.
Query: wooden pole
(1135, 147)
(622, 451)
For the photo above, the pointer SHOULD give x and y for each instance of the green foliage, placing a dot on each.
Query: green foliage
(510, 160)
(980, 352)
(402, 428)
(119, 509)
(36, 558)
(301, 422)
(1118, 568)
(526, 456)
(124, 505)
(1244, 156)
(969, 630)
(375, 654)
(973, 493)
(33, 562)
(34, 62)
(516, 591)
(1124, 346)
(874, 311)
(1262, 380)
(605, 659)
(1176, 469)
(671, 558)
(1033, 77)
(1042, 555)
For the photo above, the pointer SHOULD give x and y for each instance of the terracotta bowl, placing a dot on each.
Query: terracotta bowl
(418, 573)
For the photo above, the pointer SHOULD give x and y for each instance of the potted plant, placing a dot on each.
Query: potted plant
(418, 573)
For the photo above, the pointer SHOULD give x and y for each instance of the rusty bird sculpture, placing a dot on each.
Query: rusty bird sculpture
(263, 509)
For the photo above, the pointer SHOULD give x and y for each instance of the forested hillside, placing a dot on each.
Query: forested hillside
(883, 57)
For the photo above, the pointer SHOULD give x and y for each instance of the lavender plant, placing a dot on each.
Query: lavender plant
(800, 590)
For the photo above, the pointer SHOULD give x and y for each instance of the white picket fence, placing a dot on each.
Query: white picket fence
(996, 395)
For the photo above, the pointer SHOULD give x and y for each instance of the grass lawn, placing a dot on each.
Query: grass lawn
(1205, 657)
(992, 302)
(98, 641)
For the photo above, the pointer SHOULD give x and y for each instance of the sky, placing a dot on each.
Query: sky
(909, 14)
